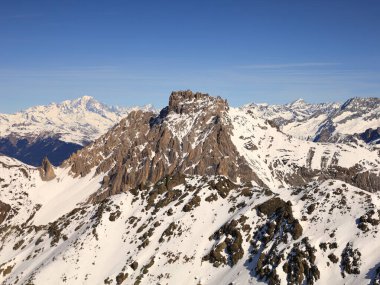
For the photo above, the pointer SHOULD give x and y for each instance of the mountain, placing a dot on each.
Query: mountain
(56, 130)
(201, 193)
(325, 122)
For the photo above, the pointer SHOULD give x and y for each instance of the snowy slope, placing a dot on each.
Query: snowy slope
(274, 155)
(173, 236)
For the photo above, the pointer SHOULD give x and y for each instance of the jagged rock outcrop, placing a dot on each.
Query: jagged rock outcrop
(197, 134)
(4, 210)
(354, 175)
(145, 147)
(46, 170)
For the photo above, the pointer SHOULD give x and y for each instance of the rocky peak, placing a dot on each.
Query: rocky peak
(298, 103)
(46, 170)
(185, 102)
(191, 136)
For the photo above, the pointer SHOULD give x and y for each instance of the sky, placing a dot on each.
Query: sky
(136, 52)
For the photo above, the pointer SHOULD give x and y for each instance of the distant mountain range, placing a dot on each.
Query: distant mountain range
(356, 119)
(201, 193)
(57, 130)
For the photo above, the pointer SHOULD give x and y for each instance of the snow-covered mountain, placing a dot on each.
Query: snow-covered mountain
(57, 130)
(326, 121)
(201, 193)
(77, 121)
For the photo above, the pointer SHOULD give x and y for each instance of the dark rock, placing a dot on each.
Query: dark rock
(351, 260)
(164, 154)
(134, 265)
(46, 170)
(4, 210)
(333, 258)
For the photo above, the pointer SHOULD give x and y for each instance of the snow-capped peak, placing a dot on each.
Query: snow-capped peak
(297, 103)
(323, 121)
(77, 121)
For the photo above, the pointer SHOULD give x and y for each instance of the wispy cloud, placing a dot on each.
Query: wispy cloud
(288, 65)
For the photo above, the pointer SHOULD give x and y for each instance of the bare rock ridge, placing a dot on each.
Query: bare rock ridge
(46, 170)
(187, 102)
(191, 136)
(4, 210)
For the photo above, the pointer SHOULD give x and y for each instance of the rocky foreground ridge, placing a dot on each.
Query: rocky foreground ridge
(201, 193)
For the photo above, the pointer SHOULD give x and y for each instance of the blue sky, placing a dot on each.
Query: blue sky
(137, 52)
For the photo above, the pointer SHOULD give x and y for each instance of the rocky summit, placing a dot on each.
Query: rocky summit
(198, 193)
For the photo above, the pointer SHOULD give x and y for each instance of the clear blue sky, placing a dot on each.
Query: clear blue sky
(137, 52)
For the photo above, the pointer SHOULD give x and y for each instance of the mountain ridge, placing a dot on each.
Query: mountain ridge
(324, 122)
(57, 130)
(65, 117)
(200, 193)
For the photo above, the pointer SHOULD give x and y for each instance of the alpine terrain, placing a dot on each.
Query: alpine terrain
(199, 193)
(57, 130)
(356, 120)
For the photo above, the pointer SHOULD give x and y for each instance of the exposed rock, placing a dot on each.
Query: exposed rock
(4, 210)
(369, 219)
(134, 265)
(151, 147)
(46, 170)
(376, 277)
(231, 246)
(351, 260)
(282, 212)
(270, 206)
(120, 278)
(354, 175)
(193, 203)
(333, 258)
(300, 267)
